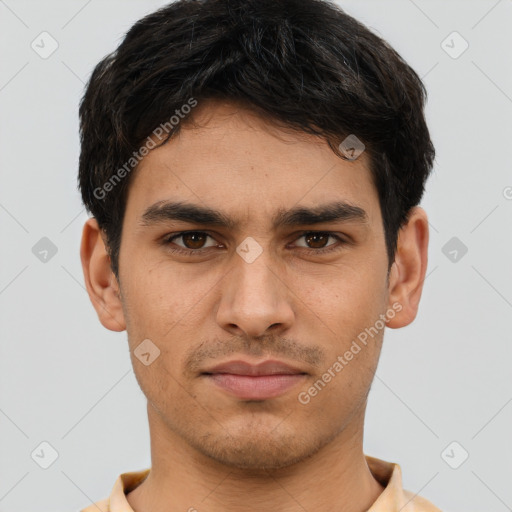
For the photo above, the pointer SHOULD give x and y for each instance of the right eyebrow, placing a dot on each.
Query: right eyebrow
(164, 211)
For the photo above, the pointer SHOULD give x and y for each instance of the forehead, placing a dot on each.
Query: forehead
(233, 160)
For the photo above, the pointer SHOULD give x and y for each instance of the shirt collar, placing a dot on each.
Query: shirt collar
(393, 499)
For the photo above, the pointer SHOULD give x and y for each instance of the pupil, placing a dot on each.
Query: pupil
(314, 237)
(193, 240)
(196, 240)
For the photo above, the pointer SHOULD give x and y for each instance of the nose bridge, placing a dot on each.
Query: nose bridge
(256, 277)
(254, 281)
(253, 297)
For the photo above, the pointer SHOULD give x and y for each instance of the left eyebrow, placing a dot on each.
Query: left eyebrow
(331, 212)
(164, 211)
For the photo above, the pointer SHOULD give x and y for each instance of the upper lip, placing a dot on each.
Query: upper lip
(269, 367)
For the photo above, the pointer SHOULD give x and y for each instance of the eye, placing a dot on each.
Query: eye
(318, 241)
(196, 242)
(191, 241)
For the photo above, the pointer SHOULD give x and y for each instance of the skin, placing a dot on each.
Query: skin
(210, 450)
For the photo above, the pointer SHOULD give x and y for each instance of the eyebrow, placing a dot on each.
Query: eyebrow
(165, 211)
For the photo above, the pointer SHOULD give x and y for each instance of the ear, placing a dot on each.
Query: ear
(100, 281)
(409, 268)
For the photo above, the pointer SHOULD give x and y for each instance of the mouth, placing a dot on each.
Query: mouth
(247, 381)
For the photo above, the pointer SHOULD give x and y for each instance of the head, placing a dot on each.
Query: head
(235, 120)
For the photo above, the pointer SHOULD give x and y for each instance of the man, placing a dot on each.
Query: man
(254, 169)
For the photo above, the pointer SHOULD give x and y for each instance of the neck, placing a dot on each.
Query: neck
(336, 478)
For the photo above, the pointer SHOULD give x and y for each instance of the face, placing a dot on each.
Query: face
(283, 261)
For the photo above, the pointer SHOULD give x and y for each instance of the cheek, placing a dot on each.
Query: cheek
(161, 296)
(168, 308)
(348, 298)
(343, 311)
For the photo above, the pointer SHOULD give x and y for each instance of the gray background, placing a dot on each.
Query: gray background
(66, 380)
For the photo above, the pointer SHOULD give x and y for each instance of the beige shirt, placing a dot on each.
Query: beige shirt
(393, 499)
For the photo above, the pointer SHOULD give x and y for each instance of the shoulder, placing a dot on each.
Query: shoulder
(418, 504)
(99, 506)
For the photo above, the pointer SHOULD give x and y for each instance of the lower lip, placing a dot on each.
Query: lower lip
(251, 387)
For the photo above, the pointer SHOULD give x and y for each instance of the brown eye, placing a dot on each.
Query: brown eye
(194, 240)
(317, 240)
(191, 241)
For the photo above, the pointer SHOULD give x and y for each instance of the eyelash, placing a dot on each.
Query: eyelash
(189, 252)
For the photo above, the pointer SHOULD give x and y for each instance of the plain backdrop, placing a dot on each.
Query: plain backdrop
(441, 403)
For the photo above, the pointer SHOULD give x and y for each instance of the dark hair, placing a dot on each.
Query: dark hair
(303, 64)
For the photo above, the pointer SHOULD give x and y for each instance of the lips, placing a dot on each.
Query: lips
(269, 367)
(262, 381)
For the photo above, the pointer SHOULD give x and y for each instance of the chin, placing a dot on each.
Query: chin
(254, 450)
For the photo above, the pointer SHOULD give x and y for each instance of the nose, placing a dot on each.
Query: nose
(255, 299)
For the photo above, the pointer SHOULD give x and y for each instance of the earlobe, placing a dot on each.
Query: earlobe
(409, 268)
(100, 282)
